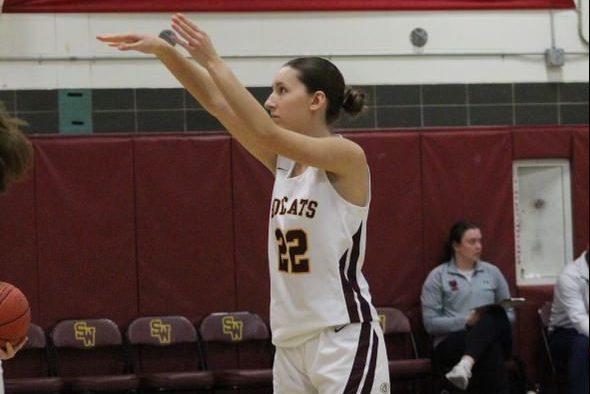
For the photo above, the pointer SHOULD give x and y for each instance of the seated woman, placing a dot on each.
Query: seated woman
(471, 336)
(569, 326)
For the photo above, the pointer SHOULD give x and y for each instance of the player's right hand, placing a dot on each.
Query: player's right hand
(9, 351)
(144, 43)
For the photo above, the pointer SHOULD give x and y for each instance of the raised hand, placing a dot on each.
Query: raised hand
(194, 40)
(9, 351)
(144, 43)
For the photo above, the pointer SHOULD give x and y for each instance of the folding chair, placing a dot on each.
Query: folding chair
(31, 371)
(408, 366)
(166, 354)
(544, 313)
(250, 363)
(91, 346)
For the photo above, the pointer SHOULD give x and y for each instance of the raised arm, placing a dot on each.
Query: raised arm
(198, 82)
(337, 155)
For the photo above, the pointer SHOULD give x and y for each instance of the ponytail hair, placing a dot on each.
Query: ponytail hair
(16, 151)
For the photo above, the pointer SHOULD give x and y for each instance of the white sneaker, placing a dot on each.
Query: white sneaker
(459, 376)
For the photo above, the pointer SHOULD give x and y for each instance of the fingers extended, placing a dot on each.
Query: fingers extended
(185, 30)
(189, 22)
(129, 37)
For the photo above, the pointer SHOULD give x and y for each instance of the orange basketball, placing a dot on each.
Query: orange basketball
(15, 314)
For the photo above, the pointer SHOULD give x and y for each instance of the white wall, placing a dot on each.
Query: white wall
(371, 47)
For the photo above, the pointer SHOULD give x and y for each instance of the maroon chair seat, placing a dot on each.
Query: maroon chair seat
(245, 336)
(166, 354)
(178, 380)
(243, 378)
(33, 385)
(90, 356)
(27, 381)
(410, 366)
(403, 369)
(105, 383)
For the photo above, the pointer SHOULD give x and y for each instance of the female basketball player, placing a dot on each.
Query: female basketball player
(324, 325)
(15, 158)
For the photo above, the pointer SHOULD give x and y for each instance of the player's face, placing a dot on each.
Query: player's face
(470, 247)
(289, 101)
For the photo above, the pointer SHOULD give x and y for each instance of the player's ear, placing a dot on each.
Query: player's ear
(318, 100)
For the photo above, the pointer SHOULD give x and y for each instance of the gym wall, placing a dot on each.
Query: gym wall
(177, 224)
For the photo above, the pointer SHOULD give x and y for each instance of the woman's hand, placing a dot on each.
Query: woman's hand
(473, 318)
(196, 41)
(144, 43)
(9, 351)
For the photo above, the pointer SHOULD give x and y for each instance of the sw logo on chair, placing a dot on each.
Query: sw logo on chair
(233, 328)
(85, 333)
(383, 321)
(161, 331)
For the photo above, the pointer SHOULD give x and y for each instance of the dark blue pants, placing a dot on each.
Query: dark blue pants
(570, 352)
(489, 342)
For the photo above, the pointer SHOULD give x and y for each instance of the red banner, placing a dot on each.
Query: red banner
(272, 5)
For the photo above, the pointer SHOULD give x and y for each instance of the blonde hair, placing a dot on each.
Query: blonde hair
(16, 151)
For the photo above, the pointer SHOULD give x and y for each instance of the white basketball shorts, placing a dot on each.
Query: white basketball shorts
(351, 359)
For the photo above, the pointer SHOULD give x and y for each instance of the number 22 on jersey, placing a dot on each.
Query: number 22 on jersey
(292, 251)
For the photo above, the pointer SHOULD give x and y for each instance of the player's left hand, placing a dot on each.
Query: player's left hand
(195, 40)
(9, 351)
(144, 43)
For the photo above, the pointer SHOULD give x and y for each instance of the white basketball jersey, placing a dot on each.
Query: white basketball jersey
(316, 248)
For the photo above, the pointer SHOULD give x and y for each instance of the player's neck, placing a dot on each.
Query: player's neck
(317, 128)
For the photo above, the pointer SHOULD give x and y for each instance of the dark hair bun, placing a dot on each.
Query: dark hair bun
(354, 101)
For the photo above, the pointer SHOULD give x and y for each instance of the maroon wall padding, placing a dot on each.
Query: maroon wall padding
(18, 241)
(18, 261)
(252, 190)
(129, 226)
(542, 143)
(580, 189)
(184, 225)
(394, 235)
(469, 175)
(85, 214)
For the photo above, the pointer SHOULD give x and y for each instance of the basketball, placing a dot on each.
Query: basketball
(15, 314)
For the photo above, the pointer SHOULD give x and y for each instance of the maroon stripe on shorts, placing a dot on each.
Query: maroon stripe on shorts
(360, 360)
(370, 379)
